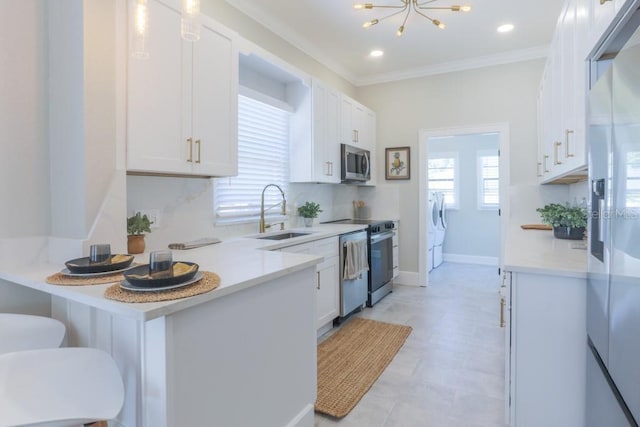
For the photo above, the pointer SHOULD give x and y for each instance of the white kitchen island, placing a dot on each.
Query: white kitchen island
(243, 354)
(544, 291)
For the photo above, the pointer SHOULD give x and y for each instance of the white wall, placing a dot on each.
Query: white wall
(24, 153)
(470, 230)
(253, 31)
(59, 103)
(505, 93)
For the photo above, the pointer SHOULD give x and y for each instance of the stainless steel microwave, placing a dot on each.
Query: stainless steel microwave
(356, 165)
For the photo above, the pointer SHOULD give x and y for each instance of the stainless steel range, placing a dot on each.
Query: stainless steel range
(380, 240)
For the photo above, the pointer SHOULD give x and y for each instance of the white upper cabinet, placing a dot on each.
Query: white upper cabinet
(182, 100)
(318, 159)
(562, 143)
(334, 118)
(357, 124)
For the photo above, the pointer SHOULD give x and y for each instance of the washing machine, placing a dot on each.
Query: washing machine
(432, 222)
(439, 216)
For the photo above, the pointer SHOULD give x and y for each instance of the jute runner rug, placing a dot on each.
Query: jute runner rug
(352, 359)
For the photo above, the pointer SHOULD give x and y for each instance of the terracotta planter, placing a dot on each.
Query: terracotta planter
(576, 233)
(135, 244)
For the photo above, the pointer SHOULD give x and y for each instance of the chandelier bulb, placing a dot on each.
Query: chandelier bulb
(438, 24)
(363, 6)
(370, 23)
(400, 31)
(466, 8)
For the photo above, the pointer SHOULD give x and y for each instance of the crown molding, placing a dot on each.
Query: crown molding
(284, 31)
(462, 65)
(278, 27)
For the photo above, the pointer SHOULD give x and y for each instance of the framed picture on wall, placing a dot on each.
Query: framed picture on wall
(397, 160)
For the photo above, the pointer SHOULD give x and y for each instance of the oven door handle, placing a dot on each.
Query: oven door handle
(376, 238)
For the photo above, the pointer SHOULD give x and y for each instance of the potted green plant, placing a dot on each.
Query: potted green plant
(568, 222)
(309, 211)
(137, 225)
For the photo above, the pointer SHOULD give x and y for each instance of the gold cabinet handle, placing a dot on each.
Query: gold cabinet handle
(330, 168)
(544, 161)
(567, 132)
(556, 155)
(357, 136)
(354, 136)
(539, 169)
(198, 144)
(328, 173)
(190, 142)
(503, 303)
(318, 281)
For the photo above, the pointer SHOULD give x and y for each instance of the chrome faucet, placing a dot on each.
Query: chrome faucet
(264, 226)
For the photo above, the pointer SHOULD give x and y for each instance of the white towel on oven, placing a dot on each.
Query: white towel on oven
(355, 260)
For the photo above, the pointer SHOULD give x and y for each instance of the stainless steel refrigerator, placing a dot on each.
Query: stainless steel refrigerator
(613, 295)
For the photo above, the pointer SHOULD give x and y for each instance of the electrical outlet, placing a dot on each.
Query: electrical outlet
(153, 215)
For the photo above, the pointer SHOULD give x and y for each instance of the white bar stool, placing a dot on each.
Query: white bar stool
(25, 332)
(59, 387)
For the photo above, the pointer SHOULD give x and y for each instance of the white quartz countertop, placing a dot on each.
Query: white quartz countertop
(537, 251)
(240, 262)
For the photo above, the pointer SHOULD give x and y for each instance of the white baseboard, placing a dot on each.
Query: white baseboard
(471, 259)
(409, 278)
(304, 418)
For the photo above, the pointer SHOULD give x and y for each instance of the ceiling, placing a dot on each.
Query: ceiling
(331, 32)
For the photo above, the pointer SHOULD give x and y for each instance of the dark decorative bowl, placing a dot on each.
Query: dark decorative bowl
(575, 233)
(139, 276)
(85, 266)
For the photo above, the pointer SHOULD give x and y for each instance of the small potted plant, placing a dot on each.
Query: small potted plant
(568, 222)
(309, 211)
(137, 225)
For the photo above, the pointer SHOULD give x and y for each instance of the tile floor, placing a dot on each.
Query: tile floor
(450, 371)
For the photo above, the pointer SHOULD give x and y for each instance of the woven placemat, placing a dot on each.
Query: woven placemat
(352, 359)
(209, 282)
(61, 279)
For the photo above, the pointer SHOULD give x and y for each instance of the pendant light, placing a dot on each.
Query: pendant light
(140, 33)
(190, 23)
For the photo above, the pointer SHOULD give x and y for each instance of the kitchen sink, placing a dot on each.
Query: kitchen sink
(283, 236)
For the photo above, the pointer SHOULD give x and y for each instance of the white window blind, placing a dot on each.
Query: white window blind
(488, 181)
(442, 175)
(263, 158)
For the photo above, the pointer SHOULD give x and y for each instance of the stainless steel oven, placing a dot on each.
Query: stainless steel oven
(380, 245)
(355, 164)
(381, 261)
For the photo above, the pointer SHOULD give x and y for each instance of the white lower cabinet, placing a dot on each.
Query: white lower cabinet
(327, 276)
(545, 324)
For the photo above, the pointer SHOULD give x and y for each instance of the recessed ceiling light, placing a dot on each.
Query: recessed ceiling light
(505, 28)
(376, 53)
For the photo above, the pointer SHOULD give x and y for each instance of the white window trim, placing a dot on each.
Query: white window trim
(456, 175)
(479, 180)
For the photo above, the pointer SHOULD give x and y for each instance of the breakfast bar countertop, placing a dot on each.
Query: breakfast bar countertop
(241, 263)
(537, 251)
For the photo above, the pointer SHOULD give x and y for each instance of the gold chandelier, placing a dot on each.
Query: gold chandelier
(406, 6)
